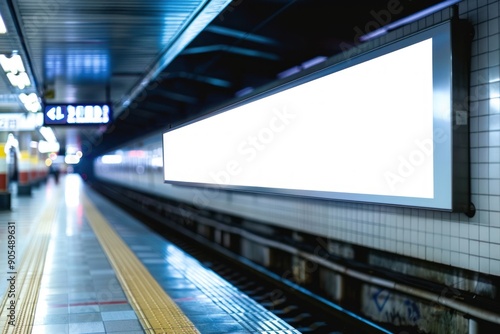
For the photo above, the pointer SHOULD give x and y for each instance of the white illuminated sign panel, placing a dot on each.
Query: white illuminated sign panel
(77, 114)
(376, 129)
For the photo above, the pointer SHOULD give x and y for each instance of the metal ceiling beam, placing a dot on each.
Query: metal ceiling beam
(176, 96)
(139, 113)
(200, 78)
(206, 14)
(231, 49)
(22, 41)
(157, 108)
(243, 35)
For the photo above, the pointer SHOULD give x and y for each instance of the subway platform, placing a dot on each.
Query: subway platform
(73, 262)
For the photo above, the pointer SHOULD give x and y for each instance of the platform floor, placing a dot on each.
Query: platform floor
(79, 264)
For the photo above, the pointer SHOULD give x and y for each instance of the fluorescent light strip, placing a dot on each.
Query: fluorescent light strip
(12, 64)
(20, 80)
(3, 28)
(46, 147)
(71, 159)
(112, 159)
(31, 102)
(15, 71)
(48, 134)
(409, 19)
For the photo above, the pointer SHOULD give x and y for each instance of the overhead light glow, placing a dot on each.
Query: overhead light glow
(407, 20)
(157, 162)
(13, 64)
(71, 149)
(111, 159)
(71, 159)
(15, 70)
(48, 147)
(244, 91)
(20, 80)
(3, 28)
(48, 134)
(31, 102)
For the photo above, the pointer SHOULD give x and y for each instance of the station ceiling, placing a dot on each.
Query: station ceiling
(163, 62)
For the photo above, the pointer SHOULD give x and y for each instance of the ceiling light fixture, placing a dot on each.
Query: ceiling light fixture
(48, 134)
(3, 28)
(71, 159)
(12, 64)
(31, 102)
(48, 147)
(14, 69)
(19, 80)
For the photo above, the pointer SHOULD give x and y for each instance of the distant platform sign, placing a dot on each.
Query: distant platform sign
(20, 121)
(76, 114)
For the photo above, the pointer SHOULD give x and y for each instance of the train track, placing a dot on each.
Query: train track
(301, 310)
(290, 308)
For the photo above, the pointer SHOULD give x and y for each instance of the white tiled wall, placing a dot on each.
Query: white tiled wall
(451, 239)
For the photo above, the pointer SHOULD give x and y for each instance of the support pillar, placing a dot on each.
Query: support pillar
(35, 181)
(473, 328)
(24, 181)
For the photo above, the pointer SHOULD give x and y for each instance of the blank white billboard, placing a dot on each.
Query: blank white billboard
(375, 128)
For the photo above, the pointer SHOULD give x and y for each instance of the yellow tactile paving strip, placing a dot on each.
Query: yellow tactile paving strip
(156, 311)
(29, 274)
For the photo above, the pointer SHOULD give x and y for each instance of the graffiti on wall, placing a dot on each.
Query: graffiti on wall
(386, 306)
(390, 308)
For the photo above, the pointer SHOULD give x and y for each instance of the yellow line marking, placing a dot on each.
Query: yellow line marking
(29, 273)
(2, 151)
(156, 311)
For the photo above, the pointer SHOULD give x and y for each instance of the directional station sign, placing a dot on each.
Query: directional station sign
(76, 114)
